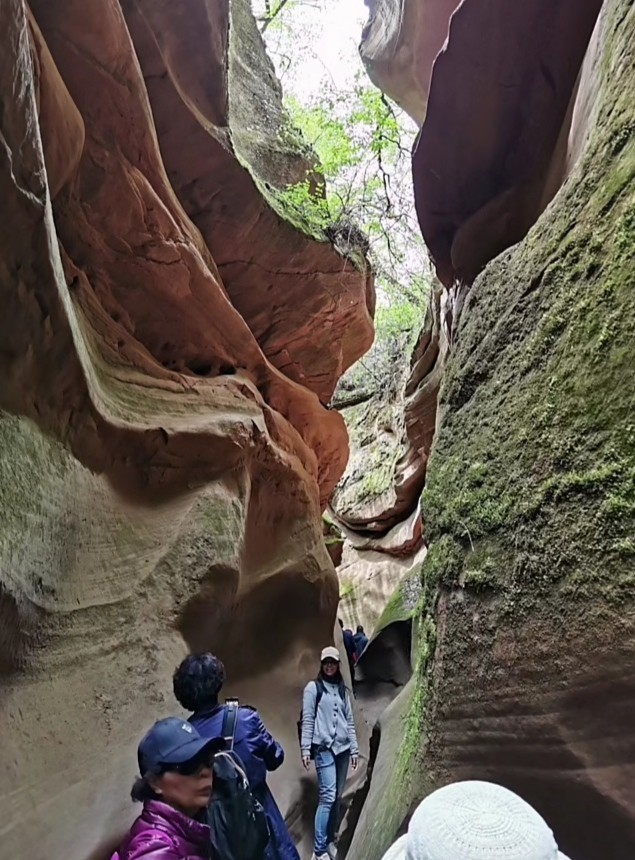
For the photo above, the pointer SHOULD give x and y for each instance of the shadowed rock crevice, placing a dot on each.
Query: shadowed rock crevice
(391, 439)
(384, 668)
(361, 795)
(375, 508)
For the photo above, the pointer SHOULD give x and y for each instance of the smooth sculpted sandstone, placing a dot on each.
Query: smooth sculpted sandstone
(162, 469)
(493, 149)
(484, 168)
(369, 579)
(400, 43)
(526, 659)
(229, 152)
(376, 504)
(375, 507)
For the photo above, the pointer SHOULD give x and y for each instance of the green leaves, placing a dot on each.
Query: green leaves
(327, 135)
(359, 196)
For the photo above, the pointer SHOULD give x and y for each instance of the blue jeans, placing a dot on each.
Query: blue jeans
(332, 771)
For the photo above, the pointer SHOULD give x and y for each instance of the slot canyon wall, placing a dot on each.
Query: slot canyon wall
(374, 527)
(169, 342)
(525, 648)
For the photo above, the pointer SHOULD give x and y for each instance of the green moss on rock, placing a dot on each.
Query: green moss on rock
(530, 493)
(403, 604)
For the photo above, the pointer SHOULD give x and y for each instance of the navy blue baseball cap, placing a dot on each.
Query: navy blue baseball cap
(173, 741)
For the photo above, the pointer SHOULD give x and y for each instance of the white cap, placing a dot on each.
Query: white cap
(330, 653)
(475, 821)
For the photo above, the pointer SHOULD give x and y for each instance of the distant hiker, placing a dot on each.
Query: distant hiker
(197, 683)
(361, 641)
(473, 821)
(349, 647)
(174, 787)
(328, 736)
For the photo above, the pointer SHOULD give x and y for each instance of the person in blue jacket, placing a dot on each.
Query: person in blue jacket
(197, 683)
(361, 641)
(349, 647)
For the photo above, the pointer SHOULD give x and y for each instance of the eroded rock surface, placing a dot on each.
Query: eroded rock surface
(376, 504)
(474, 202)
(391, 434)
(370, 573)
(527, 650)
(227, 146)
(164, 450)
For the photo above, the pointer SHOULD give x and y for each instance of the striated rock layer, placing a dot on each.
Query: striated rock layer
(227, 147)
(526, 659)
(164, 452)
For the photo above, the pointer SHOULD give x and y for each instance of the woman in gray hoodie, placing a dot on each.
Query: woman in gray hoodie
(328, 737)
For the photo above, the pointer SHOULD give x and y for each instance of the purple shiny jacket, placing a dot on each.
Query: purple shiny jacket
(163, 833)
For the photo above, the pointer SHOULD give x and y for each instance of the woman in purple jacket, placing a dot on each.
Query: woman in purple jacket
(174, 787)
(197, 683)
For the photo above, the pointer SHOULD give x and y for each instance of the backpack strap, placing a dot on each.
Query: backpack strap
(345, 693)
(319, 692)
(230, 718)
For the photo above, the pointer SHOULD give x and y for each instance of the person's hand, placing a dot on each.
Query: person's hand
(354, 762)
(306, 760)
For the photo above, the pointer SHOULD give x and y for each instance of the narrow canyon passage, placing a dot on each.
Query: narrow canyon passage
(313, 313)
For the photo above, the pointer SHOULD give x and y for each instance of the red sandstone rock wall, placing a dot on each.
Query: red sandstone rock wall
(376, 504)
(474, 201)
(168, 342)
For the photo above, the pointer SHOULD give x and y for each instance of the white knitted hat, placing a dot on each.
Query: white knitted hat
(476, 821)
(398, 850)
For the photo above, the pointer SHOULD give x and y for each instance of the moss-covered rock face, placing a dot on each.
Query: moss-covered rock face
(389, 402)
(529, 506)
(531, 487)
(377, 440)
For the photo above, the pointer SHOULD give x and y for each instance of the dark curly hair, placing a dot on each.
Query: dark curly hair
(198, 681)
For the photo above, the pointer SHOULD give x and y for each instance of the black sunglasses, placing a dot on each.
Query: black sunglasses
(189, 768)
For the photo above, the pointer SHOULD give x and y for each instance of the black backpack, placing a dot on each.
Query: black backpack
(239, 829)
(319, 692)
